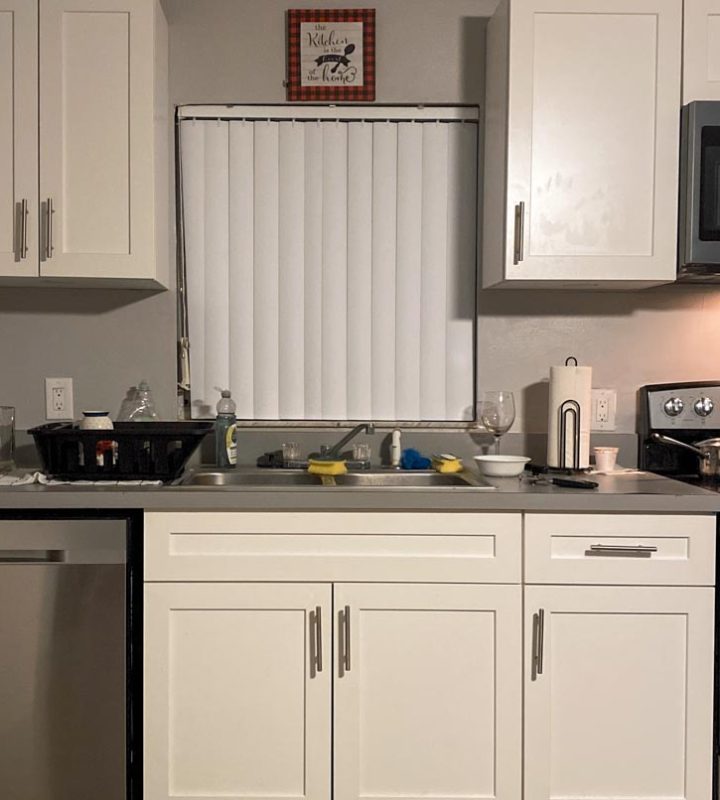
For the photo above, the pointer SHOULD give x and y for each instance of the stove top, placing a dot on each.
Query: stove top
(688, 412)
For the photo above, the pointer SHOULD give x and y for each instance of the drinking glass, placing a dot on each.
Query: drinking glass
(7, 438)
(496, 411)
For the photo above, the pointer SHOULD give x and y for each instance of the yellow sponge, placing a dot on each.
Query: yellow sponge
(446, 463)
(320, 467)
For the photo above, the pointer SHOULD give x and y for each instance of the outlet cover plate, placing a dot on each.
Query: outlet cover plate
(603, 409)
(59, 398)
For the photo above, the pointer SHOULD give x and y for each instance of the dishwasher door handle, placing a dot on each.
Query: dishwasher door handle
(32, 556)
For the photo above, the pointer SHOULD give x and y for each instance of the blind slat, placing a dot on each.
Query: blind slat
(408, 276)
(461, 221)
(434, 271)
(242, 280)
(192, 149)
(265, 296)
(359, 270)
(384, 223)
(291, 271)
(313, 270)
(334, 274)
(217, 241)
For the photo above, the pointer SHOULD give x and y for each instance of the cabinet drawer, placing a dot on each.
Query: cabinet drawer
(234, 546)
(620, 549)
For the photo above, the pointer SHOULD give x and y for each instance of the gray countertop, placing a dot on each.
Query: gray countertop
(630, 492)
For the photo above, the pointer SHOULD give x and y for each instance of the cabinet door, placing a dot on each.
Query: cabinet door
(236, 704)
(623, 704)
(18, 138)
(594, 110)
(701, 53)
(96, 138)
(427, 692)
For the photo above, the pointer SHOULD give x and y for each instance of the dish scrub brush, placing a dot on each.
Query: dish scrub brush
(446, 462)
(321, 466)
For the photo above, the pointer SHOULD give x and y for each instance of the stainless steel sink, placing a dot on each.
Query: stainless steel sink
(288, 479)
(259, 479)
(401, 479)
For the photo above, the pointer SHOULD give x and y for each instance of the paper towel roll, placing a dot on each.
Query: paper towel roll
(569, 383)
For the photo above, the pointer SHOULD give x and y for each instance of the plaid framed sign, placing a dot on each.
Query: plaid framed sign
(331, 54)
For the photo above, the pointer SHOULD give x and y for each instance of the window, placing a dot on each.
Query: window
(331, 260)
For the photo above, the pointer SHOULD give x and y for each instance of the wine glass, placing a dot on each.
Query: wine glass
(496, 411)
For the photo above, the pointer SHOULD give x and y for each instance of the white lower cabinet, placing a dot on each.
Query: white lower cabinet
(303, 656)
(236, 704)
(238, 683)
(618, 692)
(427, 701)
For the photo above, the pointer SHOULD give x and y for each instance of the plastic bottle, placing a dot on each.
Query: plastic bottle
(226, 431)
(128, 405)
(144, 407)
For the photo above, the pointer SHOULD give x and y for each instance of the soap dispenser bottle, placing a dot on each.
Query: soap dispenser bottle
(226, 431)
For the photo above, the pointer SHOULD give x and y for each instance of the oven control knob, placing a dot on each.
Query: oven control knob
(673, 406)
(704, 407)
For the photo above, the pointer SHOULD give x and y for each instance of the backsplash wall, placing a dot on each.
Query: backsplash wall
(427, 51)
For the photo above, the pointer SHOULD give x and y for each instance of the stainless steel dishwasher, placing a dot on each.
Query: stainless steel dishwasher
(64, 678)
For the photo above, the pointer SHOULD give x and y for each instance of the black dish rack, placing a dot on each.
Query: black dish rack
(129, 451)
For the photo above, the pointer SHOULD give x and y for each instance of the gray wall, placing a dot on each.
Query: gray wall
(427, 51)
(105, 340)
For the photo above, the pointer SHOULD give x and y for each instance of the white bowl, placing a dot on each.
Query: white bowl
(501, 466)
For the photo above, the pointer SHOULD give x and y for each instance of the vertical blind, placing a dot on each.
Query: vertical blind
(331, 265)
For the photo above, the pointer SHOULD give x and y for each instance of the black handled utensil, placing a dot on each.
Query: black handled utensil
(573, 483)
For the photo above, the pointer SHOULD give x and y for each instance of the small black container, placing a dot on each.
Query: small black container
(130, 451)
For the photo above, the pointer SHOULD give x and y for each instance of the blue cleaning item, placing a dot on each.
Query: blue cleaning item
(412, 459)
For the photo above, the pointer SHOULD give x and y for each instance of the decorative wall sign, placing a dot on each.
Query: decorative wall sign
(331, 54)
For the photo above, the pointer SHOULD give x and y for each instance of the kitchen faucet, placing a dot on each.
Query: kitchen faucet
(336, 449)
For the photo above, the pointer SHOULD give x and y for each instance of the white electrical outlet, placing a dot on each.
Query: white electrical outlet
(59, 398)
(603, 409)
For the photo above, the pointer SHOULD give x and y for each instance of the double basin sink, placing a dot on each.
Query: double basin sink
(288, 479)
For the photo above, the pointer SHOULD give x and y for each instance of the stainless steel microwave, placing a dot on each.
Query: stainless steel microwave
(699, 228)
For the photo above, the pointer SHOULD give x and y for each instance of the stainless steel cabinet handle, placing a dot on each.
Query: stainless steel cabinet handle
(316, 646)
(22, 230)
(519, 253)
(344, 635)
(49, 211)
(622, 550)
(538, 643)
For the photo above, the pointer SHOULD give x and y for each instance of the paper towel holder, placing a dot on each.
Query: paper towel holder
(569, 359)
(569, 412)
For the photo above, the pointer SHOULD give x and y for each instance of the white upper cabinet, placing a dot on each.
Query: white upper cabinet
(581, 162)
(18, 138)
(701, 54)
(99, 80)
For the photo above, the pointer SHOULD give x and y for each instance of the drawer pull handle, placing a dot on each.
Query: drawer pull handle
(344, 632)
(538, 643)
(316, 655)
(622, 550)
(32, 556)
